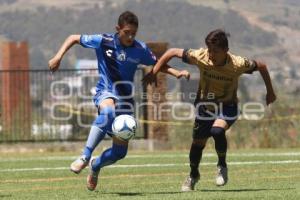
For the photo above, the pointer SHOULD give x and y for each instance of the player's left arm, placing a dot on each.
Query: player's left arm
(263, 70)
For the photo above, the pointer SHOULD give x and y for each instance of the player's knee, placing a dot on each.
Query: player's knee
(217, 132)
(105, 118)
(219, 137)
(199, 143)
(109, 111)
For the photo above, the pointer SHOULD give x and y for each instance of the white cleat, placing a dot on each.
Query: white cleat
(222, 176)
(189, 184)
(79, 164)
(92, 178)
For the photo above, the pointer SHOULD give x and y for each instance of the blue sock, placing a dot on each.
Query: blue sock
(95, 136)
(101, 125)
(110, 156)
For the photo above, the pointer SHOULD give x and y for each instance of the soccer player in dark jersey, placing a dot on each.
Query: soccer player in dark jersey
(118, 56)
(216, 102)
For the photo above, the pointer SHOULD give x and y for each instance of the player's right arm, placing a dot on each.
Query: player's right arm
(161, 65)
(190, 56)
(166, 57)
(68, 43)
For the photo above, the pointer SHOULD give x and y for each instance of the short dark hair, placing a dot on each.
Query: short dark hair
(217, 38)
(128, 17)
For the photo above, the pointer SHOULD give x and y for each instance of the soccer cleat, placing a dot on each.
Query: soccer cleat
(189, 184)
(79, 164)
(222, 176)
(92, 178)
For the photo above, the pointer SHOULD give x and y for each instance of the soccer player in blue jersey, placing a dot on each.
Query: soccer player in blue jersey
(118, 56)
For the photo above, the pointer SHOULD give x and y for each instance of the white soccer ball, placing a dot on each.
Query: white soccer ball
(124, 127)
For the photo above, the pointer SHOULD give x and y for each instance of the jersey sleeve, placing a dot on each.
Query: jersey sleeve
(148, 57)
(90, 41)
(246, 65)
(193, 56)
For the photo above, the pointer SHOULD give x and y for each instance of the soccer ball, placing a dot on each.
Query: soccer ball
(124, 127)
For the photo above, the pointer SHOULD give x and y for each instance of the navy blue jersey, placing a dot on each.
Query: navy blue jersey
(117, 64)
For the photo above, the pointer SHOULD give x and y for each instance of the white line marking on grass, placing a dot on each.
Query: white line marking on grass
(214, 155)
(45, 158)
(155, 165)
(34, 169)
(63, 158)
(207, 163)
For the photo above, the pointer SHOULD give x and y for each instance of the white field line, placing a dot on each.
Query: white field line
(155, 165)
(62, 158)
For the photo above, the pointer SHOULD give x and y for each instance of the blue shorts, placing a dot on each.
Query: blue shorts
(206, 118)
(123, 106)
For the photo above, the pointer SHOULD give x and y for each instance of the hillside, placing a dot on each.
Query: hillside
(46, 26)
(259, 29)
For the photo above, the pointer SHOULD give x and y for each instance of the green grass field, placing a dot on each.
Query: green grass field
(253, 174)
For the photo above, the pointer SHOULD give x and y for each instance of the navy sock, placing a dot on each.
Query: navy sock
(195, 157)
(220, 145)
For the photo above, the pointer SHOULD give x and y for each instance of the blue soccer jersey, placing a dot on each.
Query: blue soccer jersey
(117, 64)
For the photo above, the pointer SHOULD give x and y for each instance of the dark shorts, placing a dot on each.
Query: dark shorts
(206, 118)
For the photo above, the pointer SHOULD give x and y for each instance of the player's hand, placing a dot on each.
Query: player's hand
(54, 63)
(184, 74)
(149, 78)
(270, 98)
